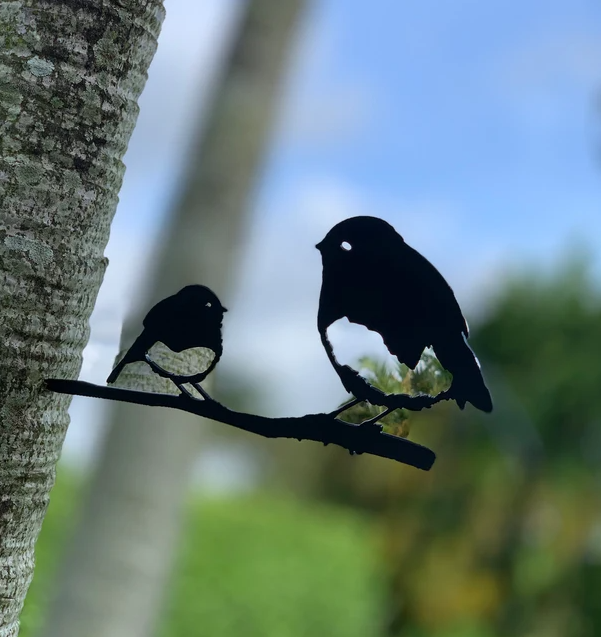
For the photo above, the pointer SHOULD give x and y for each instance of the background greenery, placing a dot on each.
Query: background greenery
(253, 566)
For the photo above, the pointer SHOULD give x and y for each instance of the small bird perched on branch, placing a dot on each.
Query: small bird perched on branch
(192, 318)
(373, 278)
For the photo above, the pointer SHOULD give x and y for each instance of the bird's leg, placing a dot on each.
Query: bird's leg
(157, 369)
(160, 371)
(344, 407)
(201, 391)
(185, 391)
(374, 421)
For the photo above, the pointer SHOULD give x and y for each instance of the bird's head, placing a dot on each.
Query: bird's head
(201, 295)
(358, 235)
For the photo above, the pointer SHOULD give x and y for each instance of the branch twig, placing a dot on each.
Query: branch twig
(318, 427)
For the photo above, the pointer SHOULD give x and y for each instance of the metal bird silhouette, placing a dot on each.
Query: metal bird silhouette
(373, 278)
(192, 318)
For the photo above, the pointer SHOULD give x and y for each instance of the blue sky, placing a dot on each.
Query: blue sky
(472, 126)
(488, 107)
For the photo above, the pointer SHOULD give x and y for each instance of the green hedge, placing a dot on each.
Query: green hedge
(249, 566)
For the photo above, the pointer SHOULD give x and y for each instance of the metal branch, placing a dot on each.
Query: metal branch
(322, 428)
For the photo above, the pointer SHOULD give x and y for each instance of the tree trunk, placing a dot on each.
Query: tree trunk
(117, 566)
(70, 76)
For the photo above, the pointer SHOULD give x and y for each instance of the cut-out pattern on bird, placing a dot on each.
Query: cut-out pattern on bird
(190, 319)
(408, 303)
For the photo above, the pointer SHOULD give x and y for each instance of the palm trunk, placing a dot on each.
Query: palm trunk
(117, 566)
(70, 76)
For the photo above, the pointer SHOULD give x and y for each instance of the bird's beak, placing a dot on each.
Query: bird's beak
(319, 245)
(224, 309)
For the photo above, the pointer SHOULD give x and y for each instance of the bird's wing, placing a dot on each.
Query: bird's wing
(449, 334)
(407, 301)
(433, 293)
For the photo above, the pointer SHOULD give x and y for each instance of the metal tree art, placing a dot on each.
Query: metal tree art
(409, 304)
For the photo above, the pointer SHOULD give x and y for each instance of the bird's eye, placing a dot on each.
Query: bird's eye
(208, 304)
(345, 245)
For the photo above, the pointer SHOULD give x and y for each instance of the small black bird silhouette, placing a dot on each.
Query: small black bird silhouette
(189, 319)
(373, 278)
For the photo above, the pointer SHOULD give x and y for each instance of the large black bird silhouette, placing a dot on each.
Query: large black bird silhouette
(373, 278)
(192, 318)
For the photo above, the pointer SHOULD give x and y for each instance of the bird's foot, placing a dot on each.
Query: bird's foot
(369, 426)
(186, 392)
(198, 387)
(189, 394)
(448, 394)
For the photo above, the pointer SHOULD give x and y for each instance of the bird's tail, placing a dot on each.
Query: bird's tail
(468, 383)
(135, 353)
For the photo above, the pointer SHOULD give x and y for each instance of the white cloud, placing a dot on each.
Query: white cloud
(350, 342)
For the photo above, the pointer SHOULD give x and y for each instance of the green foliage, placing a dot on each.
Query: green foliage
(275, 567)
(544, 336)
(254, 566)
(429, 377)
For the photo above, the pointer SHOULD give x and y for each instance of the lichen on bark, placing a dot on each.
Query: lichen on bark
(71, 72)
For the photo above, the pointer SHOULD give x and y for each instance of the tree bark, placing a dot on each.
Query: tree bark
(70, 76)
(117, 566)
